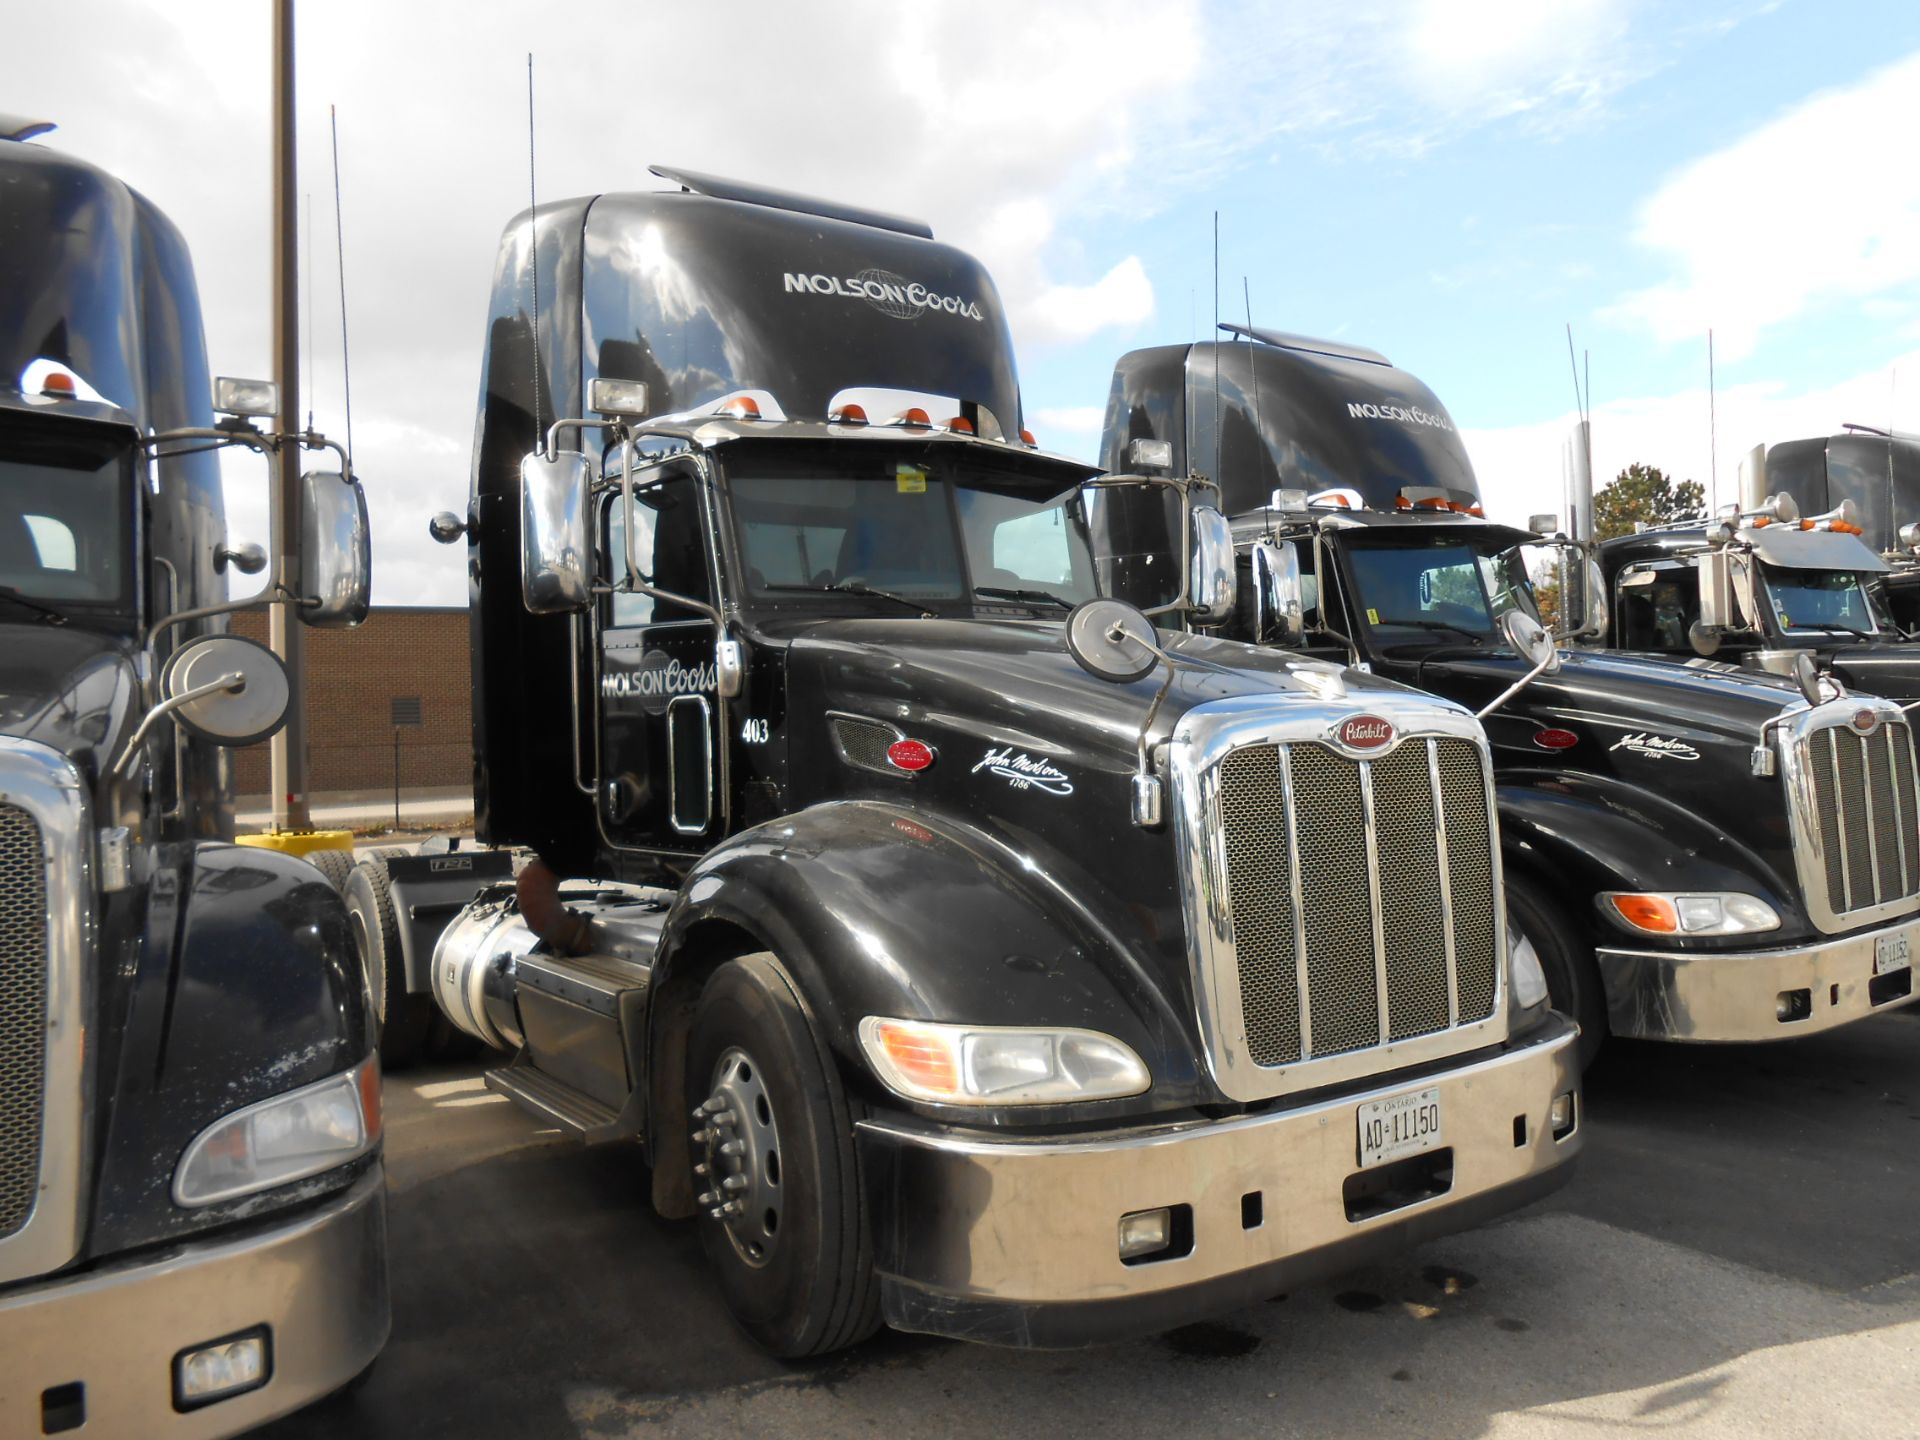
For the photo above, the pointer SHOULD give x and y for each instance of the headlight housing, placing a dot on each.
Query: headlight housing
(1708, 912)
(287, 1138)
(999, 1065)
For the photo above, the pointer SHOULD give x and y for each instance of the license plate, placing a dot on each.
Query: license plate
(1404, 1125)
(1890, 953)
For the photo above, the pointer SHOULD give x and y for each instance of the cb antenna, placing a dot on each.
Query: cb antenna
(533, 226)
(340, 260)
(1713, 440)
(308, 327)
(1218, 448)
(1253, 363)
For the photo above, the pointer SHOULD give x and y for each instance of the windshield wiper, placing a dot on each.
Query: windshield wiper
(53, 616)
(856, 587)
(1474, 635)
(996, 592)
(1831, 625)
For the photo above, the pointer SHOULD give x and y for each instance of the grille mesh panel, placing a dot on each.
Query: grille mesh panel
(1864, 801)
(1328, 842)
(1409, 853)
(864, 743)
(23, 1012)
(1260, 889)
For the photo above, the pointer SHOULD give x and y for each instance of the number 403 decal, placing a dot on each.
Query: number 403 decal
(753, 732)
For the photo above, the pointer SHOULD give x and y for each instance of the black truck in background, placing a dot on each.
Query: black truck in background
(968, 955)
(192, 1207)
(1816, 560)
(1695, 852)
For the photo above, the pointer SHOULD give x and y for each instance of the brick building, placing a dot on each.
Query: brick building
(403, 674)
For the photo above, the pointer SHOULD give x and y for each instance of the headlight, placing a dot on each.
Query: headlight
(1524, 971)
(287, 1138)
(973, 1065)
(1716, 912)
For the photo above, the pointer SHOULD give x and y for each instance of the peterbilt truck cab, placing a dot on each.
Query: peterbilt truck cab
(1815, 560)
(968, 953)
(192, 1231)
(1696, 852)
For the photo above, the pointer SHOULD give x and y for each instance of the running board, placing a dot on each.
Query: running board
(560, 1104)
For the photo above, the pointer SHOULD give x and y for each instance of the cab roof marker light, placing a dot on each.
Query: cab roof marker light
(740, 407)
(58, 386)
(1026, 438)
(913, 418)
(847, 415)
(959, 425)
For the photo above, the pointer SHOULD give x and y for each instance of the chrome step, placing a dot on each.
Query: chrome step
(560, 1104)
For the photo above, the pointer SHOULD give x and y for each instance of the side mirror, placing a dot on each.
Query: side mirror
(556, 567)
(1598, 615)
(1279, 605)
(225, 688)
(336, 551)
(1211, 583)
(1527, 636)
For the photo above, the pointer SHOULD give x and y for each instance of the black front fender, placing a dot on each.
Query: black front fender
(1585, 834)
(246, 985)
(880, 910)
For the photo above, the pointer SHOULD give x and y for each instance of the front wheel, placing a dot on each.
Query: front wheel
(1573, 979)
(781, 1216)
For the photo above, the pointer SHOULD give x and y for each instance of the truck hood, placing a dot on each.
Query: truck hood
(1014, 683)
(66, 687)
(1889, 671)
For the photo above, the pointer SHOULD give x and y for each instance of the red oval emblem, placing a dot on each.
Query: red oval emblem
(909, 755)
(1864, 720)
(1365, 732)
(1555, 739)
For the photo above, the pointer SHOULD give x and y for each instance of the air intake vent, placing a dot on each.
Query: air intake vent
(863, 743)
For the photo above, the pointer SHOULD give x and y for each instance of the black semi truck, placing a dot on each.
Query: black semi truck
(1769, 580)
(1695, 852)
(192, 1208)
(967, 954)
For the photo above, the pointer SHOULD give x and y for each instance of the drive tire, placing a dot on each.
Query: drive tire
(1573, 978)
(336, 865)
(814, 1289)
(405, 1021)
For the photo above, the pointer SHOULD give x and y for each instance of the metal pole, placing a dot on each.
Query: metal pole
(289, 747)
(396, 777)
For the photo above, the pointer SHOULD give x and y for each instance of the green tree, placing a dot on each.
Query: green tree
(1644, 493)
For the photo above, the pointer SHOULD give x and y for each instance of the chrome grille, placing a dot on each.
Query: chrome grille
(23, 1012)
(1866, 812)
(1339, 949)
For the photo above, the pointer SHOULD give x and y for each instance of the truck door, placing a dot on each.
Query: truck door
(659, 703)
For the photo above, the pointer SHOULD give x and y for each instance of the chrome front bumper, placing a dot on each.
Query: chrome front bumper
(1739, 995)
(318, 1282)
(1016, 1242)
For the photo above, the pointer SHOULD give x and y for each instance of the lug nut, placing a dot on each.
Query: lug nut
(735, 1183)
(701, 1137)
(708, 1197)
(733, 1147)
(701, 1168)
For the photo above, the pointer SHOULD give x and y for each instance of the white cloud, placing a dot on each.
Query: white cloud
(1078, 420)
(1520, 466)
(1818, 207)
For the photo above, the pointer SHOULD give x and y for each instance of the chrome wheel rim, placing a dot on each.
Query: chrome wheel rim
(736, 1147)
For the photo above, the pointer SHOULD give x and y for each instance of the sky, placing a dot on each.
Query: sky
(1451, 182)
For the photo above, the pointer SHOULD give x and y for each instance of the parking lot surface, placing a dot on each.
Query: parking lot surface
(1738, 1255)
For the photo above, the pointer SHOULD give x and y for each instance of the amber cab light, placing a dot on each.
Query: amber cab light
(914, 419)
(58, 386)
(960, 425)
(848, 415)
(1026, 438)
(741, 407)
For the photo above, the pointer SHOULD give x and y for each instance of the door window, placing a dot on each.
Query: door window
(669, 550)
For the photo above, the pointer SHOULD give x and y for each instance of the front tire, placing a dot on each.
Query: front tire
(406, 1020)
(1573, 979)
(781, 1214)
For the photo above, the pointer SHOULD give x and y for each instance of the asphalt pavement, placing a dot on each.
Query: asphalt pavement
(1739, 1255)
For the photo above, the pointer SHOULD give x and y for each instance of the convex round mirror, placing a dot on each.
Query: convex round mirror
(1112, 639)
(1806, 674)
(1705, 642)
(241, 714)
(1526, 635)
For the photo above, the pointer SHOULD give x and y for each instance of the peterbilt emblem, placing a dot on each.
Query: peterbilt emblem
(1864, 721)
(1365, 732)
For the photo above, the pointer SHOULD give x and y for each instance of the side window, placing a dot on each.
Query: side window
(669, 550)
(1657, 608)
(54, 541)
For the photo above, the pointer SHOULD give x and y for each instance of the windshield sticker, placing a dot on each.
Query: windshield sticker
(892, 295)
(910, 479)
(1655, 747)
(1373, 616)
(658, 680)
(1025, 772)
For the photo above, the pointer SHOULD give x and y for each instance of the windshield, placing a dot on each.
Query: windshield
(938, 532)
(1433, 593)
(1818, 600)
(65, 504)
